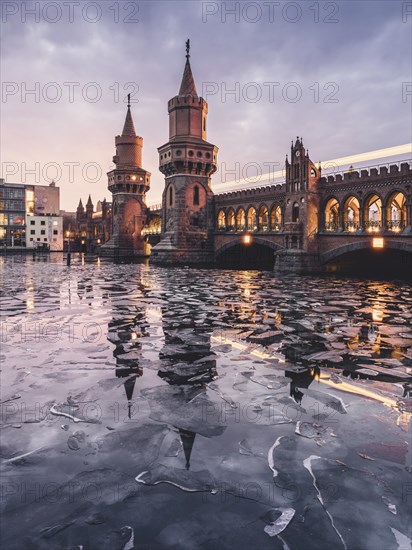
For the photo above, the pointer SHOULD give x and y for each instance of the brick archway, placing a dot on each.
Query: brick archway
(238, 239)
(363, 245)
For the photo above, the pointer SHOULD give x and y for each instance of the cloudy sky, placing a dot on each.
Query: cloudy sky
(335, 73)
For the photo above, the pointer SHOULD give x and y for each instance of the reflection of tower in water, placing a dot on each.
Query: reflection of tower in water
(301, 377)
(186, 358)
(124, 334)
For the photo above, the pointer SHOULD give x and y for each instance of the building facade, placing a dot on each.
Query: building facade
(30, 217)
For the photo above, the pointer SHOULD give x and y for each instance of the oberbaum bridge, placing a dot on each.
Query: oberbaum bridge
(309, 223)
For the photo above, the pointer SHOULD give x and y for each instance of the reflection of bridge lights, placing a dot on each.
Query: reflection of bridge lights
(378, 242)
(377, 315)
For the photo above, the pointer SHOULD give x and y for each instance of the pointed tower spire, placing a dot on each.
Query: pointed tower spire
(128, 128)
(187, 438)
(188, 86)
(89, 202)
(80, 207)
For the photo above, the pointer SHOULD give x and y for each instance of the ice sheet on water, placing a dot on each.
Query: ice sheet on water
(305, 429)
(276, 525)
(403, 542)
(335, 483)
(329, 400)
(186, 480)
(185, 409)
(137, 446)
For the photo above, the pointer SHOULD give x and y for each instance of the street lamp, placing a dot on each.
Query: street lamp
(68, 246)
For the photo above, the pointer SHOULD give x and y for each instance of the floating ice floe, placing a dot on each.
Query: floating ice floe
(186, 480)
(277, 526)
(329, 400)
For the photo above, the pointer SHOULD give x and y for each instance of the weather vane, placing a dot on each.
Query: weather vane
(188, 47)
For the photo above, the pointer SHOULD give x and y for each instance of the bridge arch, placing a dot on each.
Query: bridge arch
(238, 239)
(364, 244)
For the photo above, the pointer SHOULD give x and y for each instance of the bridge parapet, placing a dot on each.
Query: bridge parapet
(370, 174)
(251, 193)
(294, 228)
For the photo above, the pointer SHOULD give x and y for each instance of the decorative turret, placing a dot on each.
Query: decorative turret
(128, 183)
(301, 212)
(89, 208)
(80, 211)
(187, 150)
(301, 173)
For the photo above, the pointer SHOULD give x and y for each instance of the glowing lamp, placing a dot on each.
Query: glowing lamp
(98, 241)
(247, 239)
(82, 242)
(377, 242)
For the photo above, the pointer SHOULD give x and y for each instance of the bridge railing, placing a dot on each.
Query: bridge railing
(331, 226)
(371, 225)
(239, 228)
(395, 225)
(152, 231)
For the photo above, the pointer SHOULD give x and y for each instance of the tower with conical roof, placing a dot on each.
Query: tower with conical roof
(128, 183)
(187, 161)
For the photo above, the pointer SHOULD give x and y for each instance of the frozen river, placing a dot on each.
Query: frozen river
(157, 408)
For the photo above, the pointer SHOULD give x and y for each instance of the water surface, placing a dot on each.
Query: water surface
(148, 407)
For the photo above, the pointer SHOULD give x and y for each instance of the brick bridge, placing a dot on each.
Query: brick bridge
(312, 222)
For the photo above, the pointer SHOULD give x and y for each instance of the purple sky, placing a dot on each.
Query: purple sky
(364, 58)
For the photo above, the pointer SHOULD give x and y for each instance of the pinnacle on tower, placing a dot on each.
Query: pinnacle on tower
(80, 207)
(89, 202)
(188, 86)
(128, 128)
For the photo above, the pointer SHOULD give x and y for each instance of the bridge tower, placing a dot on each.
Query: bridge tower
(128, 183)
(187, 161)
(301, 214)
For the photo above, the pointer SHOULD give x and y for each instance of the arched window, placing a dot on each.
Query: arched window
(276, 218)
(295, 212)
(251, 219)
(332, 215)
(351, 214)
(221, 220)
(241, 220)
(373, 213)
(231, 225)
(396, 212)
(171, 198)
(196, 195)
(263, 218)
